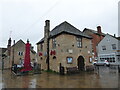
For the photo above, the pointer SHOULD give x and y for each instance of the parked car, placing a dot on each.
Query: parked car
(19, 66)
(105, 63)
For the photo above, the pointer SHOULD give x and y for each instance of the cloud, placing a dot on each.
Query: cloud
(26, 17)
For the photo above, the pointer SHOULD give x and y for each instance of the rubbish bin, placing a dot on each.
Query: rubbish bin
(62, 70)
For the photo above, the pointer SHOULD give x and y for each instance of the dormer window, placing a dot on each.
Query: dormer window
(79, 42)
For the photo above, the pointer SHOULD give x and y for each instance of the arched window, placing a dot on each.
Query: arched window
(54, 57)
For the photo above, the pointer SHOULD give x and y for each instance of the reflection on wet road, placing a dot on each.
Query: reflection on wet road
(106, 77)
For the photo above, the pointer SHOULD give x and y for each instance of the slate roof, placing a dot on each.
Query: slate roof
(66, 27)
(118, 38)
(21, 41)
(93, 31)
(2, 50)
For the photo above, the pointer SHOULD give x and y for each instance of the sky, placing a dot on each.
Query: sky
(25, 19)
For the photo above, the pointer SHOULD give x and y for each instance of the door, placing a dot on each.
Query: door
(81, 63)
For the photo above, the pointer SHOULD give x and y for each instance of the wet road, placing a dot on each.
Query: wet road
(106, 77)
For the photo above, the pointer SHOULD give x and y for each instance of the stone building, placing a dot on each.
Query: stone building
(68, 47)
(15, 53)
(2, 55)
(97, 36)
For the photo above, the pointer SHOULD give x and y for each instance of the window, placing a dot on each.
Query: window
(53, 43)
(41, 47)
(103, 47)
(54, 57)
(41, 58)
(21, 61)
(108, 40)
(69, 60)
(79, 42)
(20, 53)
(114, 46)
(109, 58)
(90, 59)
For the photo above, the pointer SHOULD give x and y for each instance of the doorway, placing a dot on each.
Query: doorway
(81, 63)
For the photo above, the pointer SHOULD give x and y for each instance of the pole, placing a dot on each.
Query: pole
(48, 68)
(13, 53)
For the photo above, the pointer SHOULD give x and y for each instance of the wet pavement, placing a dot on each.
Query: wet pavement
(0, 79)
(106, 77)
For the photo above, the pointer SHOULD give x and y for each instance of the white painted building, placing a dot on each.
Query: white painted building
(109, 49)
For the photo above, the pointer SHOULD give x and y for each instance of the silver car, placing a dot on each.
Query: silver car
(105, 63)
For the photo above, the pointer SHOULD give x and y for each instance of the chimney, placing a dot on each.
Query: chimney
(47, 28)
(9, 42)
(14, 42)
(99, 29)
(114, 35)
(46, 41)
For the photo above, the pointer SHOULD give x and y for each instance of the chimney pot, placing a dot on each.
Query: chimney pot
(47, 28)
(114, 35)
(47, 22)
(99, 29)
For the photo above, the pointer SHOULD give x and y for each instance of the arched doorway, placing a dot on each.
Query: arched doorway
(81, 63)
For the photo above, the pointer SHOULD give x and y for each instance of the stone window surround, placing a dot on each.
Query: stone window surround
(79, 42)
(20, 53)
(54, 43)
(71, 61)
(41, 47)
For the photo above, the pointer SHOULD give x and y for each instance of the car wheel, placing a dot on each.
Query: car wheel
(108, 65)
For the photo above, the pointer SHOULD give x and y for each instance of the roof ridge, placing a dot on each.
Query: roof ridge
(93, 31)
(17, 42)
(66, 27)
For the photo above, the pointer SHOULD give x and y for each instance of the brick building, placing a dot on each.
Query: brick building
(97, 36)
(68, 47)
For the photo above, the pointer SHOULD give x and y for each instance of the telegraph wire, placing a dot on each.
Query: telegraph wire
(44, 14)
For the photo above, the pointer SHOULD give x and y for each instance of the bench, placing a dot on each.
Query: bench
(72, 70)
(90, 68)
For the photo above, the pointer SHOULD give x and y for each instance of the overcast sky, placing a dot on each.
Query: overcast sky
(24, 19)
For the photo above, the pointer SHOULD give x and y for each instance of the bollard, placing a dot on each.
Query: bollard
(61, 70)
